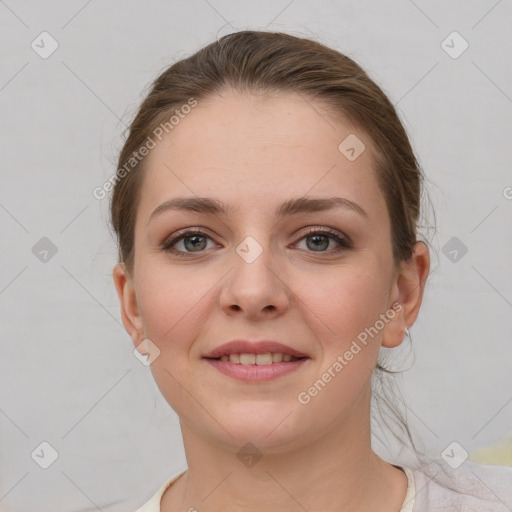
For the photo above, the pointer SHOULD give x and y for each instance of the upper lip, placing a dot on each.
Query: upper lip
(252, 347)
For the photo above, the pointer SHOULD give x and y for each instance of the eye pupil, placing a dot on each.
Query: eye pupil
(323, 241)
(195, 244)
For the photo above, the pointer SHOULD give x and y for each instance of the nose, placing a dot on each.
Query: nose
(255, 288)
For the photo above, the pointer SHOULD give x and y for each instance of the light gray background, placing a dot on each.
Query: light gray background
(68, 375)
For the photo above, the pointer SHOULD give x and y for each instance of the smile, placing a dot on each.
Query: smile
(258, 359)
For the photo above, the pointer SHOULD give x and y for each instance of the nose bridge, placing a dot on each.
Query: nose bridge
(254, 284)
(250, 250)
(254, 264)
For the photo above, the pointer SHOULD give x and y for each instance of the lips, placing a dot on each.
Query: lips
(242, 347)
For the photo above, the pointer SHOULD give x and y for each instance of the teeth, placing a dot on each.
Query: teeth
(277, 357)
(247, 358)
(262, 359)
(258, 359)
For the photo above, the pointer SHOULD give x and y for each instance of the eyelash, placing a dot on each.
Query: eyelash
(167, 245)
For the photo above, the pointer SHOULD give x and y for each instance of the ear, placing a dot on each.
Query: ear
(407, 290)
(132, 320)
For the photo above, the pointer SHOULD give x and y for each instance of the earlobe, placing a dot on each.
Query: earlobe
(128, 303)
(407, 290)
(395, 330)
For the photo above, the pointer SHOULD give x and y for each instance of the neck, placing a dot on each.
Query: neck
(337, 471)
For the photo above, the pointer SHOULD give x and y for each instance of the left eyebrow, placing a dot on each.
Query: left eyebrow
(309, 204)
(289, 207)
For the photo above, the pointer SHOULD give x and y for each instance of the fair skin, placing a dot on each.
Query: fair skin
(254, 153)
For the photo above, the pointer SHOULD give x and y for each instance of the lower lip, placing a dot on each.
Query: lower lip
(254, 372)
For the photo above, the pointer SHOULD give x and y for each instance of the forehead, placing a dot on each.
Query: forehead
(250, 149)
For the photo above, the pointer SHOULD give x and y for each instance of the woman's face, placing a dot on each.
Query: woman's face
(256, 275)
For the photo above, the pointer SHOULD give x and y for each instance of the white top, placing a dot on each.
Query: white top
(153, 505)
(470, 488)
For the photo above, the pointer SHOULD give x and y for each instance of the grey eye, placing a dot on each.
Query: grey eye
(194, 243)
(318, 242)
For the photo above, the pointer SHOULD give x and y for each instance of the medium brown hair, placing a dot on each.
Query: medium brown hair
(260, 62)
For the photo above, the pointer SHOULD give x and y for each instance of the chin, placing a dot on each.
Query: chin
(272, 429)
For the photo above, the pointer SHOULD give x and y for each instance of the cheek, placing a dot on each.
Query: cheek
(173, 306)
(342, 303)
(170, 302)
(342, 307)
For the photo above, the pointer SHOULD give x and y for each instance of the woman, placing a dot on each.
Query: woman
(266, 207)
